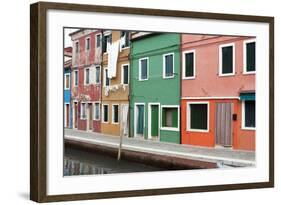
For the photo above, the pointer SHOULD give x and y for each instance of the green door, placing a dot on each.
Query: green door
(154, 120)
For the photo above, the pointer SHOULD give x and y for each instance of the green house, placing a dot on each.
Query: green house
(155, 87)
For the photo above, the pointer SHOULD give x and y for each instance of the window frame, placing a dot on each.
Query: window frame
(104, 78)
(74, 81)
(96, 40)
(245, 72)
(103, 113)
(81, 116)
(135, 117)
(113, 114)
(94, 110)
(107, 33)
(220, 59)
(147, 70)
(77, 50)
(86, 40)
(69, 81)
(128, 42)
(243, 126)
(183, 64)
(178, 120)
(85, 76)
(188, 118)
(122, 73)
(164, 66)
(95, 82)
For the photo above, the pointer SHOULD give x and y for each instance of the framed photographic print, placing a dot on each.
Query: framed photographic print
(135, 102)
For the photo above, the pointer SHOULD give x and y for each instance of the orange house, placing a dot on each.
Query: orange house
(218, 91)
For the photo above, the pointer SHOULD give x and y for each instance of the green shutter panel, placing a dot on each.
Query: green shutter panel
(163, 117)
(175, 118)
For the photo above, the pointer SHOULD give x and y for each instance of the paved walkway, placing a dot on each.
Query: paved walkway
(222, 156)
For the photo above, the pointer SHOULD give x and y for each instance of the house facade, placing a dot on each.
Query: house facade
(115, 82)
(218, 91)
(86, 79)
(155, 86)
(67, 87)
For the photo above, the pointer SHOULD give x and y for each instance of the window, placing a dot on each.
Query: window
(250, 57)
(77, 47)
(106, 42)
(76, 78)
(125, 74)
(115, 113)
(227, 60)
(66, 81)
(87, 76)
(170, 117)
(143, 69)
(198, 117)
(97, 74)
(87, 44)
(106, 78)
(188, 64)
(83, 111)
(124, 39)
(97, 111)
(98, 40)
(249, 114)
(105, 113)
(168, 67)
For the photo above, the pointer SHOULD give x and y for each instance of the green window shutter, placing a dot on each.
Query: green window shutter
(251, 56)
(163, 117)
(189, 64)
(227, 59)
(169, 65)
(175, 117)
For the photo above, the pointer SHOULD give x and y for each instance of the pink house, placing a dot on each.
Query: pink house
(218, 91)
(86, 79)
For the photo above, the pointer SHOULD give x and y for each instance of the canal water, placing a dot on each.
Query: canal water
(77, 162)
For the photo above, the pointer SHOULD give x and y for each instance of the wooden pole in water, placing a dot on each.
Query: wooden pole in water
(120, 147)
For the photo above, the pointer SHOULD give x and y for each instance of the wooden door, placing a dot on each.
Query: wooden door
(75, 115)
(224, 124)
(154, 120)
(67, 115)
(90, 116)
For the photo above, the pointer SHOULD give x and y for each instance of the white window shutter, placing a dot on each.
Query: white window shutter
(92, 75)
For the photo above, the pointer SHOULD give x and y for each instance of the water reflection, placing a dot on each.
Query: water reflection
(77, 162)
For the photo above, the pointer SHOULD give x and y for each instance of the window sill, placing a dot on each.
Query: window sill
(226, 75)
(197, 130)
(143, 79)
(170, 128)
(249, 73)
(189, 78)
(164, 77)
(249, 128)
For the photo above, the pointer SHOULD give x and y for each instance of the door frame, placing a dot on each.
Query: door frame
(73, 115)
(231, 125)
(149, 119)
(135, 118)
(88, 116)
(66, 124)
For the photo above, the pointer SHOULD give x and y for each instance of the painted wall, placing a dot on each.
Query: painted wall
(208, 83)
(67, 96)
(156, 88)
(119, 95)
(83, 59)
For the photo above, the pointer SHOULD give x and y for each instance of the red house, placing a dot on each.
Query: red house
(86, 79)
(218, 91)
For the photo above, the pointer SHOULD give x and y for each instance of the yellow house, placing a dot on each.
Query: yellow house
(115, 88)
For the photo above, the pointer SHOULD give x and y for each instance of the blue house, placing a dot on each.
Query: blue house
(67, 87)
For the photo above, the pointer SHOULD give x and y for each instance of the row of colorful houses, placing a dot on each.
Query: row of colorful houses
(180, 88)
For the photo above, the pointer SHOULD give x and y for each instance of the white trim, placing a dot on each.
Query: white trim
(96, 40)
(207, 98)
(183, 65)
(112, 114)
(88, 116)
(233, 59)
(103, 113)
(95, 75)
(85, 69)
(245, 72)
(149, 120)
(170, 128)
(243, 127)
(94, 110)
(69, 81)
(73, 114)
(135, 119)
(104, 78)
(147, 70)
(188, 119)
(87, 50)
(164, 66)
(65, 123)
(122, 73)
(75, 71)
(81, 116)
